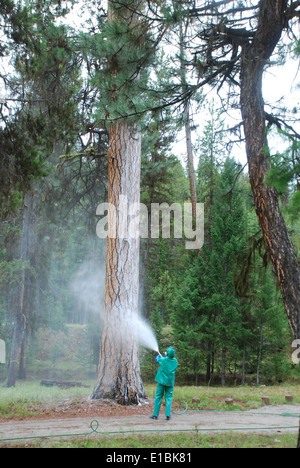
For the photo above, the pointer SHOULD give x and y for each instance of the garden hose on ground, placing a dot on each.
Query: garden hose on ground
(94, 426)
(182, 411)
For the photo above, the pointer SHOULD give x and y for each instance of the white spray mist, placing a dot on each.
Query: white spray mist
(88, 287)
(144, 332)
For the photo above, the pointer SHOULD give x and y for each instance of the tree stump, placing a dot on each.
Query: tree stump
(196, 400)
(289, 398)
(266, 400)
(229, 401)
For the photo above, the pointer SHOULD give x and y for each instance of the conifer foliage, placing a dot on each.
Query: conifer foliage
(93, 110)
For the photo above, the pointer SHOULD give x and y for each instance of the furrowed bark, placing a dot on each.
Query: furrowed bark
(280, 247)
(119, 370)
(119, 376)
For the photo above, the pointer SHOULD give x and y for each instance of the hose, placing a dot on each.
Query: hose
(94, 426)
(184, 403)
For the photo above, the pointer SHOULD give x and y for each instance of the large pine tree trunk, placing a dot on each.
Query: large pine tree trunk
(119, 375)
(272, 223)
(119, 371)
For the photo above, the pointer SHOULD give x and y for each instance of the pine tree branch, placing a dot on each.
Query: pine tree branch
(273, 120)
(292, 11)
(214, 9)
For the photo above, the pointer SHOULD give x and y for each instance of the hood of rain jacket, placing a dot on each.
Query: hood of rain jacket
(167, 368)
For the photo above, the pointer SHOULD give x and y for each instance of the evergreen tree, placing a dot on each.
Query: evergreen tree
(44, 86)
(39, 107)
(285, 175)
(272, 333)
(208, 321)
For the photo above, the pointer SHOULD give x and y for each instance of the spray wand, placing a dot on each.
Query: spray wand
(159, 353)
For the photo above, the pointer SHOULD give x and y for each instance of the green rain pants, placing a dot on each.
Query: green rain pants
(160, 392)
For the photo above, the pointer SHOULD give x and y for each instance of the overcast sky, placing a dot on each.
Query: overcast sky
(280, 88)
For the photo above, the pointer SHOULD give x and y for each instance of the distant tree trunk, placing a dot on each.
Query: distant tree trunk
(282, 252)
(244, 365)
(208, 362)
(21, 317)
(187, 124)
(22, 374)
(259, 351)
(190, 159)
(119, 370)
(223, 369)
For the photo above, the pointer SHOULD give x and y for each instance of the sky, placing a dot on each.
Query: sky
(281, 85)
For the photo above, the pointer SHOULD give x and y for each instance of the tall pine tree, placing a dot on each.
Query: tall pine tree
(119, 368)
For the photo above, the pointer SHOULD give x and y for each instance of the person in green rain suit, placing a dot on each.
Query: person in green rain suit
(165, 379)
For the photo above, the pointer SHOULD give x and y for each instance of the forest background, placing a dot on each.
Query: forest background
(221, 308)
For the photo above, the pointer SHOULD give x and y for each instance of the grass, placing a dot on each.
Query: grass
(229, 440)
(178, 441)
(244, 397)
(27, 398)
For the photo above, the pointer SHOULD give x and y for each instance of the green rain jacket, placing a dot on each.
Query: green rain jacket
(167, 368)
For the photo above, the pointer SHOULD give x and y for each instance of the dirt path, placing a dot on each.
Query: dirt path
(269, 420)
